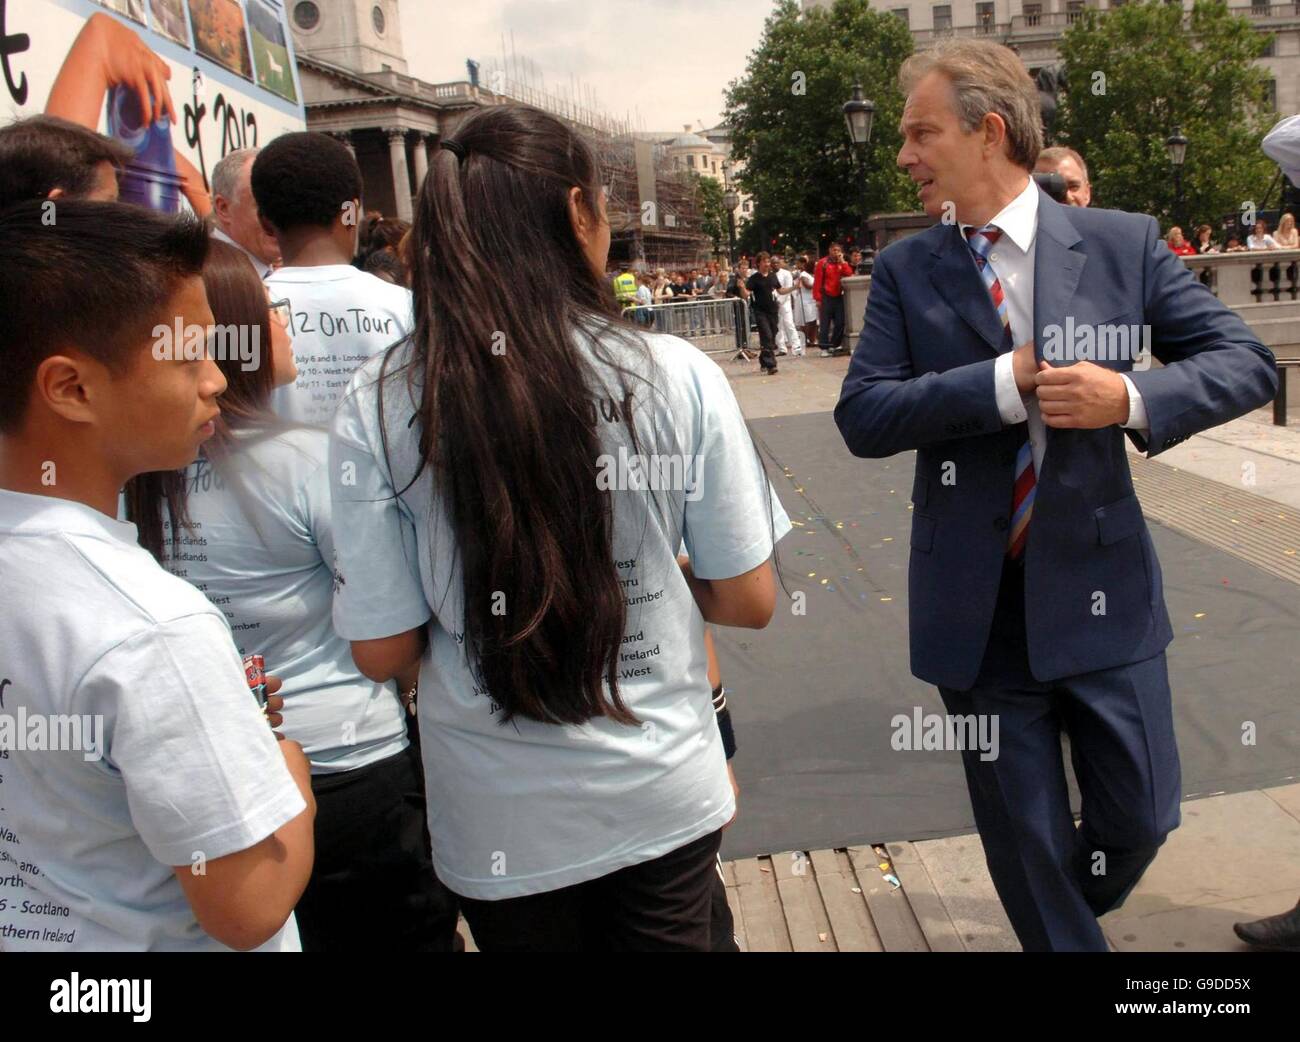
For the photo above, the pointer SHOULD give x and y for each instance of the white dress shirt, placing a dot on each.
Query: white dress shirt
(1012, 260)
(263, 269)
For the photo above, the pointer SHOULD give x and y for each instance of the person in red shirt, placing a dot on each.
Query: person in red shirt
(829, 294)
(1178, 244)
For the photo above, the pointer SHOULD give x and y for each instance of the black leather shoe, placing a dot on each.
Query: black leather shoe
(1278, 933)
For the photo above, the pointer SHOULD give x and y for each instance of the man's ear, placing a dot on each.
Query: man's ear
(61, 386)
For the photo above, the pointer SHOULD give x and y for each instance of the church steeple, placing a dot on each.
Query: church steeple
(361, 35)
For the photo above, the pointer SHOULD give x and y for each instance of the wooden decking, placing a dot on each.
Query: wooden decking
(838, 901)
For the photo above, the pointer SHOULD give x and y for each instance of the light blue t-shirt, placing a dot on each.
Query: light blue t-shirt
(264, 556)
(532, 807)
(163, 758)
(339, 317)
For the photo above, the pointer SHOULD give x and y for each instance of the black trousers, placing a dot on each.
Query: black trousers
(766, 338)
(662, 905)
(831, 334)
(373, 886)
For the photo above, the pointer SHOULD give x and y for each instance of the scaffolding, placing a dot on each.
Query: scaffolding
(666, 234)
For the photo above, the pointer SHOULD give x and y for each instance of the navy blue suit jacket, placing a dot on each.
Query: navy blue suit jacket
(921, 378)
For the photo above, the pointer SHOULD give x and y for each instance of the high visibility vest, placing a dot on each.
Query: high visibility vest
(625, 288)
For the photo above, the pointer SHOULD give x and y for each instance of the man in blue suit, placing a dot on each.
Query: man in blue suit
(1034, 587)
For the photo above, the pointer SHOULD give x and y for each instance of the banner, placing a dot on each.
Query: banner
(179, 82)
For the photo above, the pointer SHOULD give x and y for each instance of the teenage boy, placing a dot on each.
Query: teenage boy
(44, 157)
(147, 804)
(308, 189)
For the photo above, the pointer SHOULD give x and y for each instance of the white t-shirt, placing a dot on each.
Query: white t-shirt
(786, 279)
(1261, 242)
(277, 593)
(340, 317)
(532, 807)
(164, 758)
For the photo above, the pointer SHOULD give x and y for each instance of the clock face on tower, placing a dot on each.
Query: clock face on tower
(377, 19)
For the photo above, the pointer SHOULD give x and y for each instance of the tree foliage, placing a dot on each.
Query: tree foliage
(787, 123)
(1133, 74)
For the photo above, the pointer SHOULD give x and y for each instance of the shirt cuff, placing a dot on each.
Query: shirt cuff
(1011, 406)
(1137, 410)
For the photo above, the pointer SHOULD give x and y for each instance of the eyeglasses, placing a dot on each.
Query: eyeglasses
(280, 309)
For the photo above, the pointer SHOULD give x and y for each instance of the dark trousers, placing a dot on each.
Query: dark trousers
(766, 322)
(373, 886)
(662, 905)
(722, 927)
(1055, 879)
(831, 335)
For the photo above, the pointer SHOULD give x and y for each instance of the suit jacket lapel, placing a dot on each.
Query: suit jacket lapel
(958, 281)
(1057, 267)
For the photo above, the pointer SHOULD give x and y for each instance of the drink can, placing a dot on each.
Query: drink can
(255, 674)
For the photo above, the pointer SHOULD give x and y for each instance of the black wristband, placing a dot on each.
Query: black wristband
(723, 715)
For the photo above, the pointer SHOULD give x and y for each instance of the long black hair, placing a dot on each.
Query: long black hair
(507, 417)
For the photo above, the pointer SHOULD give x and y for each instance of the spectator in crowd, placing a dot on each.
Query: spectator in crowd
(805, 307)
(44, 157)
(644, 299)
(564, 829)
(1060, 159)
(1259, 239)
(1286, 236)
(662, 287)
(1178, 244)
(787, 337)
(761, 289)
(308, 189)
(1205, 240)
(380, 248)
(829, 295)
(373, 884)
(855, 259)
(1233, 245)
(193, 830)
(234, 211)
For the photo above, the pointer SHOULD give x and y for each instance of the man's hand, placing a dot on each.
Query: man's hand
(1084, 396)
(735, 792)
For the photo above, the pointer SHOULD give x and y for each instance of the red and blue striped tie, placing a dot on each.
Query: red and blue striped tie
(981, 241)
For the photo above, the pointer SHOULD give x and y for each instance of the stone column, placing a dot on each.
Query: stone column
(421, 160)
(401, 178)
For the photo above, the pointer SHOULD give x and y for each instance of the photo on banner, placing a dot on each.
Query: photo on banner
(219, 34)
(270, 54)
(168, 18)
(133, 9)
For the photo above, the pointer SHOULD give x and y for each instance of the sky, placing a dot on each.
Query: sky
(671, 60)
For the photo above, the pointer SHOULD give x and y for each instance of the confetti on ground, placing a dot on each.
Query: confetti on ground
(825, 581)
(812, 575)
(888, 539)
(886, 600)
(1199, 615)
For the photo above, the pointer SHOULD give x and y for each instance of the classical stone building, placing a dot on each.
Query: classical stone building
(1033, 27)
(357, 87)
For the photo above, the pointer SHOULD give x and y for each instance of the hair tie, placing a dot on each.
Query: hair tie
(454, 147)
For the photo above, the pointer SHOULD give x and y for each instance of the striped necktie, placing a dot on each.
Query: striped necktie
(981, 241)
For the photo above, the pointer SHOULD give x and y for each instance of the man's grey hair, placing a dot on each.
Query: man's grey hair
(225, 175)
(1053, 156)
(986, 77)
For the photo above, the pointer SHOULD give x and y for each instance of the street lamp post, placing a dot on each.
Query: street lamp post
(1176, 146)
(858, 114)
(730, 199)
